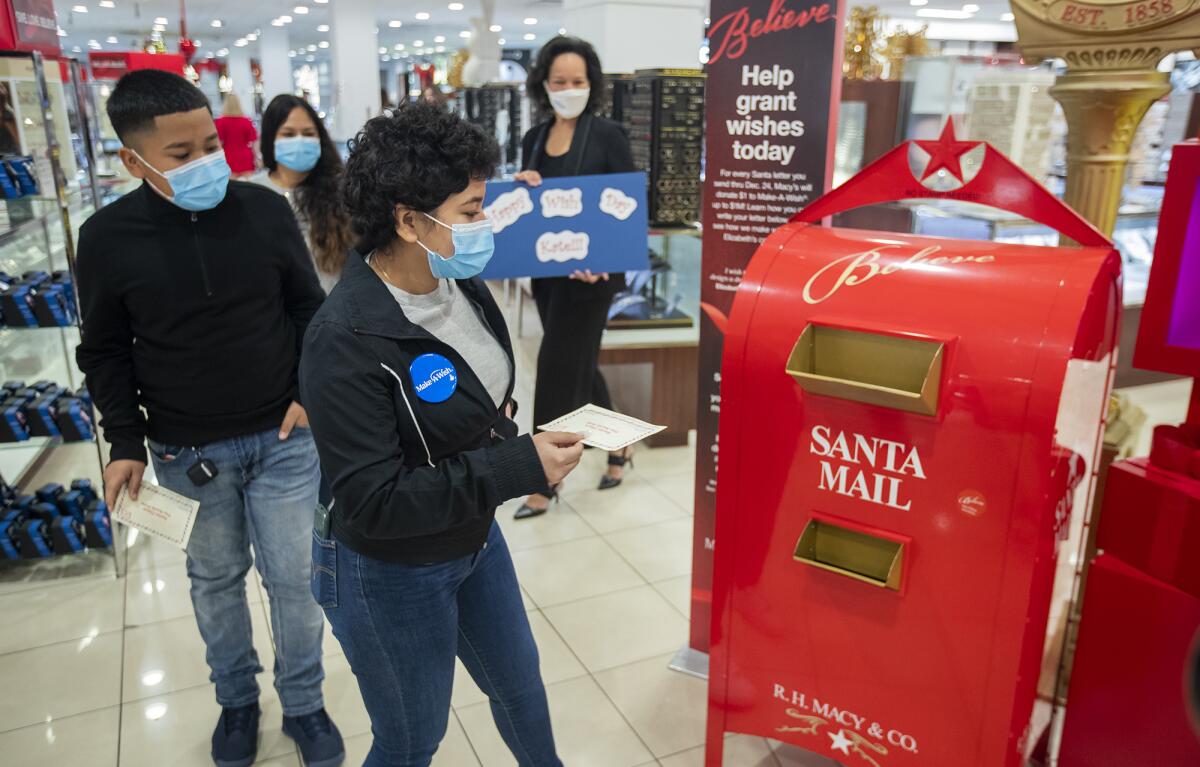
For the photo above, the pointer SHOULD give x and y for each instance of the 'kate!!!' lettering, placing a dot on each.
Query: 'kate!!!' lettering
(735, 29)
(884, 456)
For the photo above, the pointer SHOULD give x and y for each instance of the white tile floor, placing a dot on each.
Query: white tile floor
(111, 670)
(100, 671)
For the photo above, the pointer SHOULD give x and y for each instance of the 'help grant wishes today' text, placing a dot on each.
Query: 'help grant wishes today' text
(751, 201)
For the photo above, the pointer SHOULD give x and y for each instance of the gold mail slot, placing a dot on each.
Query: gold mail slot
(852, 553)
(889, 371)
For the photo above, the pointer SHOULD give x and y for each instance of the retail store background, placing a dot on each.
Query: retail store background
(106, 670)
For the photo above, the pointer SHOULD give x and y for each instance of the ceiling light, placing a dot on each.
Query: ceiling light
(465, 34)
(252, 37)
(440, 39)
(107, 4)
(418, 43)
(422, 16)
(94, 44)
(159, 27)
(161, 20)
(562, 30)
(323, 44)
(320, 2)
(530, 36)
(286, 19)
(240, 42)
(971, 8)
(939, 13)
(399, 46)
(79, 9)
(918, 3)
(223, 52)
(77, 49)
(277, 22)
(291, 54)
(311, 49)
(531, 21)
(322, 27)
(382, 51)
(300, 10)
(395, 23)
(501, 41)
(111, 40)
(495, 28)
(455, 6)
(217, 23)
(62, 32)
(1007, 17)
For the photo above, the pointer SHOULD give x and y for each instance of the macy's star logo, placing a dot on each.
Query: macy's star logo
(840, 742)
(944, 170)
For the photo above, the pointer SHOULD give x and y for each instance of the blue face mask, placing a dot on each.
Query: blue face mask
(300, 153)
(474, 245)
(198, 185)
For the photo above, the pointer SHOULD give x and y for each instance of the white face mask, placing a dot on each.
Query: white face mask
(569, 104)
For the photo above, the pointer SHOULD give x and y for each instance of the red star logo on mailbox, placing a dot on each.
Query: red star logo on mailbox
(946, 152)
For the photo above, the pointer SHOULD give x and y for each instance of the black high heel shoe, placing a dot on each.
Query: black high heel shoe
(528, 512)
(626, 457)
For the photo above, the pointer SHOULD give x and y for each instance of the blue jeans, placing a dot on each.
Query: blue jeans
(401, 626)
(264, 495)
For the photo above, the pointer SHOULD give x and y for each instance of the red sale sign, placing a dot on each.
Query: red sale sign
(29, 25)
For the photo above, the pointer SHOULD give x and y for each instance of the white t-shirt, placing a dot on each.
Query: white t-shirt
(450, 317)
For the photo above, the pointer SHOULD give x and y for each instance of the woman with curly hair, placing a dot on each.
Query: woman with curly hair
(567, 82)
(303, 165)
(407, 373)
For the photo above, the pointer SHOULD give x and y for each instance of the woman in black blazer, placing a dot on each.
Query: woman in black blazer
(567, 80)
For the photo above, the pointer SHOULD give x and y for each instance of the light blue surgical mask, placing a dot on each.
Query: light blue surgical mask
(198, 185)
(474, 245)
(300, 153)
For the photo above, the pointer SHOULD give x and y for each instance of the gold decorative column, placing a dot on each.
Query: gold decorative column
(1112, 49)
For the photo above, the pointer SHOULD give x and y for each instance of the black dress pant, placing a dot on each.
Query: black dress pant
(573, 316)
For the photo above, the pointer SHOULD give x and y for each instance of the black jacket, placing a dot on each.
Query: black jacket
(197, 317)
(599, 146)
(413, 481)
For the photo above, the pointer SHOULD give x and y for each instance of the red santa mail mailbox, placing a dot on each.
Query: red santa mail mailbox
(907, 423)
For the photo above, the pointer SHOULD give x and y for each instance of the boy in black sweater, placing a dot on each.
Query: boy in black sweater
(195, 293)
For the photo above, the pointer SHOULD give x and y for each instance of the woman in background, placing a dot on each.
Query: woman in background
(237, 135)
(302, 163)
(567, 82)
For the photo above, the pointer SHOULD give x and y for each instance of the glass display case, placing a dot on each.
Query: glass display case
(667, 295)
(49, 185)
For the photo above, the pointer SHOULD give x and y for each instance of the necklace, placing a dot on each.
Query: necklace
(379, 270)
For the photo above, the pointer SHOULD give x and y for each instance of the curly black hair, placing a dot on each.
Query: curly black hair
(535, 85)
(317, 197)
(417, 156)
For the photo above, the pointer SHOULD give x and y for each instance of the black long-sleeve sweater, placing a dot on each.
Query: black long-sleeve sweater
(197, 317)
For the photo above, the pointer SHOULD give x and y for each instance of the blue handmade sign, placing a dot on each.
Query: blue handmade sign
(568, 223)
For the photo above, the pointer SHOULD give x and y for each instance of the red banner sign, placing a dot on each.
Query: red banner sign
(29, 25)
(112, 65)
(774, 83)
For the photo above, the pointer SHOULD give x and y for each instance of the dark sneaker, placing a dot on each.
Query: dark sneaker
(235, 741)
(318, 738)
